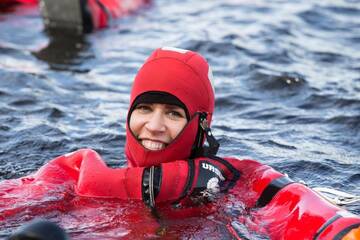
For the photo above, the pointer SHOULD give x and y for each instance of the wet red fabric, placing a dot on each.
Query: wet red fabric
(19, 1)
(6, 3)
(99, 17)
(184, 74)
(118, 8)
(295, 212)
(107, 9)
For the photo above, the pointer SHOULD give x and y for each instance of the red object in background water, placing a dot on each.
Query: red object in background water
(6, 4)
(19, 1)
(28, 1)
(85, 16)
(102, 11)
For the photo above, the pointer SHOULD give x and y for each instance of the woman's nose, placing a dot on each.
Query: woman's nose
(155, 123)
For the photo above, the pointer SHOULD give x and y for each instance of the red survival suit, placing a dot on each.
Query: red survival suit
(8, 2)
(181, 174)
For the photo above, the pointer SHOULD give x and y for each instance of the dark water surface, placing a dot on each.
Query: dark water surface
(287, 80)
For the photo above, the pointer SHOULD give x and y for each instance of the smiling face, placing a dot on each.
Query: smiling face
(156, 125)
(176, 77)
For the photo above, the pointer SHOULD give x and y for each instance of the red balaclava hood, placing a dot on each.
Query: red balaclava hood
(185, 75)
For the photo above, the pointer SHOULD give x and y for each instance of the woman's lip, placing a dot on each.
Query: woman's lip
(153, 140)
(153, 145)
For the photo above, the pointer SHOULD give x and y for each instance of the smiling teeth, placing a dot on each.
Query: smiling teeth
(152, 145)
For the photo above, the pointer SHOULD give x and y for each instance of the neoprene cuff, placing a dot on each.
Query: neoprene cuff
(151, 185)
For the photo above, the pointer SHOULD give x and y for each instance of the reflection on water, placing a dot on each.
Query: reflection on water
(65, 51)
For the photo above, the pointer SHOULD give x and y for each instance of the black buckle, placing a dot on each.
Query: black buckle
(214, 145)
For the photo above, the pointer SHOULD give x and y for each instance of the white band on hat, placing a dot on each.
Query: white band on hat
(174, 49)
(211, 78)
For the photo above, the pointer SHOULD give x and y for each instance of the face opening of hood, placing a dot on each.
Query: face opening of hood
(184, 75)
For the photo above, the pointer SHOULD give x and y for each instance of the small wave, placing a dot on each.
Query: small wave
(303, 165)
(4, 128)
(328, 57)
(231, 102)
(273, 143)
(321, 172)
(318, 101)
(354, 179)
(12, 121)
(308, 171)
(279, 56)
(211, 47)
(103, 137)
(319, 19)
(4, 93)
(48, 112)
(345, 10)
(352, 122)
(23, 102)
(36, 136)
(14, 81)
(8, 50)
(305, 120)
(37, 145)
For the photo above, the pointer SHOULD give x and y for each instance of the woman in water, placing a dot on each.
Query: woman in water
(169, 117)
(171, 107)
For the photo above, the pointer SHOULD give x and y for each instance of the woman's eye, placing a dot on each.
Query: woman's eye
(175, 114)
(143, 108)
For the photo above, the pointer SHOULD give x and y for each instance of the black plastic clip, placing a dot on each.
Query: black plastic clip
(213, 143)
